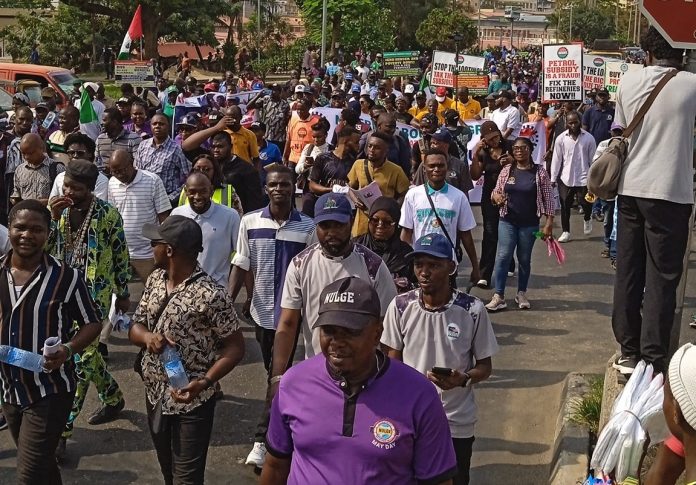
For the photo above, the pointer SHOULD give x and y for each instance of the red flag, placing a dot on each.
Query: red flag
(135, 31)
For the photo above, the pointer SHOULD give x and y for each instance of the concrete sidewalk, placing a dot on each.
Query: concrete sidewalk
(568, 329)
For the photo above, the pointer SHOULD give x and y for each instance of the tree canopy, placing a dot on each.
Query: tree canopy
(589, 23)
(437, 29)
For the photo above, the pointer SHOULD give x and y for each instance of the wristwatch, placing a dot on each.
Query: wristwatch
(208, 382)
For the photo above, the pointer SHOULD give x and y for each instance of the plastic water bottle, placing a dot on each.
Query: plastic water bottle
(22, 358)
(174, 367)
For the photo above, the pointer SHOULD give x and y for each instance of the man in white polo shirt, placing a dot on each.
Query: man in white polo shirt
(220, 226)
(507, 116)
(452, 216)
(446, 335)
(140, 198)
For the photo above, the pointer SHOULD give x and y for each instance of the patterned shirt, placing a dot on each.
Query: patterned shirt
(266, 248)
(197, 317)
(166, 161)
(544, 198)
(54, 294)
(274, 114)
(34, 181)
(107, 269)
(106, 146)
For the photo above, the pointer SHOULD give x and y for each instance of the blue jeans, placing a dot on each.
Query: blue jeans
(510, 237)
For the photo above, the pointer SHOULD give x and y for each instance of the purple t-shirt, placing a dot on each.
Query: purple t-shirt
(394, 431)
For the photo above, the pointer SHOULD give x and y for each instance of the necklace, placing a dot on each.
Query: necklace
(75, 251)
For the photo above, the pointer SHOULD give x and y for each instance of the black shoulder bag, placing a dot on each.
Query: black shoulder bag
(457, 248)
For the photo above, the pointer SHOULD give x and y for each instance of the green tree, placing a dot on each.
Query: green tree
(407, 15)
(589, 23)
(339, 13)
(67, 31)
(372, 30)
(436, 30)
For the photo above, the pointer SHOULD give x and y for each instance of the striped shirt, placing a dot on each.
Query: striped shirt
(49, 303)
(266, 248)
(139, 203)
(106, 146)
(167, 161)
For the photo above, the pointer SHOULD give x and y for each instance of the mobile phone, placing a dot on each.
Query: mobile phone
(309, 160)
(441, 371)
(50, 117)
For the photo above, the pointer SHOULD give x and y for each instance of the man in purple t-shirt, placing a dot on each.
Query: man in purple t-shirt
(354, 430)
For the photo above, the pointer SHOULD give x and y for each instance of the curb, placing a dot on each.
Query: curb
(570, 450)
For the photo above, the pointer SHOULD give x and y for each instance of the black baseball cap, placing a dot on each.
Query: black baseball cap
(350, 303)
(504, 93)
(602, 92)
(178, 231)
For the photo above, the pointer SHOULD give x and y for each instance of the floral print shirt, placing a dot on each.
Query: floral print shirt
(197, 317)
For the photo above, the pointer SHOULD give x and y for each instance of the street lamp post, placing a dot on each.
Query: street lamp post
(323, 32)
(457, 37)
(258, 31)
(571, 24)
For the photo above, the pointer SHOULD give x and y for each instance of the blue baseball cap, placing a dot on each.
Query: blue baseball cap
(349, 76)
(355, 88)
(436, 245)
(332, 207)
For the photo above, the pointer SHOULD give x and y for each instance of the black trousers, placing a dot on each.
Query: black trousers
(265, 339)
(262, 426)
(36, 431)
(181, 442)
(566, 195)
(651, 241)
(489, 242)
(462, 450)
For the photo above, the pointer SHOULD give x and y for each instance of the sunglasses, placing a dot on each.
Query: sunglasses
(156, 243)
(381, 222)
(76, 153)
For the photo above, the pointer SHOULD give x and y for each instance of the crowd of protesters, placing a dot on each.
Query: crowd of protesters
(259, 191)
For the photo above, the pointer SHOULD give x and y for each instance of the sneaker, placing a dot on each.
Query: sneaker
(598, 216)
(511, 274)
(587, 227)
(625, 365)
(613, 264)
(3, 422)
(482, 284)
(496, 303)
(103, 350)
(581, 210)
(257, 455)
(565, 237)
(60, 449)
(107, 413)
(522, 301)
(605, 253)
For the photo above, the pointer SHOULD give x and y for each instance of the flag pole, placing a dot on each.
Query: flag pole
(141, 47)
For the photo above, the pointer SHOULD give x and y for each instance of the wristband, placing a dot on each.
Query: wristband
(467, 382)
(275, 379)
(70, 350)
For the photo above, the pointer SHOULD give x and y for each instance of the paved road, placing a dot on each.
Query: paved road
(568, 329)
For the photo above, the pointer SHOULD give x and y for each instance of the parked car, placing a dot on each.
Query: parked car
(60, 79)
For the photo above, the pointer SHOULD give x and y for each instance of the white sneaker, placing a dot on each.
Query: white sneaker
(565, 237)
(511, 274)
(257, 455)
(496, 303)
(587, 227)
(482, 283)
(521, 300)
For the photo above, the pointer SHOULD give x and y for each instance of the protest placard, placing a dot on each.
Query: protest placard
(593, 69)
(444, 66)
(477, 83)
(140, 74)
(401, 63)
(613, 74)
(562, 70)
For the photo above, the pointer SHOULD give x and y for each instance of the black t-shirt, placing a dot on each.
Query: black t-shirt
(521, 192)
(246, 182)
(329, 170)
(492, 168)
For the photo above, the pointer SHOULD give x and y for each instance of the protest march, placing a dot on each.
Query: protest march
(353, 224)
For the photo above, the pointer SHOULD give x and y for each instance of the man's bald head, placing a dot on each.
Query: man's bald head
(198, 178)
(121, 166)
(121, 155)
(33, 148)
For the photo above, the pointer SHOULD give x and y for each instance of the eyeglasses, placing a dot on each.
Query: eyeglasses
(381, 222)
(156, 243)
(76, 153)
(523, 148)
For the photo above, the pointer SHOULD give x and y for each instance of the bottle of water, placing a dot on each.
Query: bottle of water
(174, 367)
(22, 358)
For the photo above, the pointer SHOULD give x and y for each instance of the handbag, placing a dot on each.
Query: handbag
(457, 248)
(605, 172)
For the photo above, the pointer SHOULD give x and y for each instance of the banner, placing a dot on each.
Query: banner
(613, 74)
(562, 71)
(402, 63)
(593, 68)
(477, 84)
(140, 74)
(443, 67)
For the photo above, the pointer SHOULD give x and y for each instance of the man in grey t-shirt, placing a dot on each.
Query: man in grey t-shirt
(441, 332)
(654, 205)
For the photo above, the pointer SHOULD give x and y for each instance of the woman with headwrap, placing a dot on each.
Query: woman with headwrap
(383, 239)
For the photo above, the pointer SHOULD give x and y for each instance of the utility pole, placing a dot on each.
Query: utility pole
(323, 32)
(258, 30)
(570, 34)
